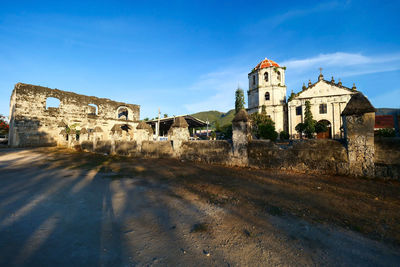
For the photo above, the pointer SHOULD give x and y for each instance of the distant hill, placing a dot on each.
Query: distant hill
(214, 116)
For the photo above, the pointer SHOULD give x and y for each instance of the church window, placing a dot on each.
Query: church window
(323, 108)
(254, 79)
(279, 76)
(267, 96)
(266, 76)
(298, 110)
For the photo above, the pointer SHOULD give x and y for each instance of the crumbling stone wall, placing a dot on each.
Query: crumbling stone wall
(241, 135)
(315, 155)
(214, 151)
(32, 124)
(178, 133)
(360, 144)
(387, 157)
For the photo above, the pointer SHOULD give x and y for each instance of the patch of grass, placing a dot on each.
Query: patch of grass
(199, 228)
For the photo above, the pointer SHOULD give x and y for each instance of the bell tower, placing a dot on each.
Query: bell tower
(267, 87)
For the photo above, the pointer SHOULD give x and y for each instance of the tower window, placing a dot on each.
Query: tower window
(298, 110)
(254, 79)
(267, 96)
(279, 75)
(323, 108)
(266, 76)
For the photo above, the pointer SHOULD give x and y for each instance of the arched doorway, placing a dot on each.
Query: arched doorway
(323, 129)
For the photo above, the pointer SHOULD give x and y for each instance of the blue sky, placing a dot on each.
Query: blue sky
(190, 56)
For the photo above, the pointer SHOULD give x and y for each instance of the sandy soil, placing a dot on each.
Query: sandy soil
(65, 208)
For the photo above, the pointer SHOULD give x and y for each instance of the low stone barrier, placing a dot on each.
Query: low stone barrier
(217, 152)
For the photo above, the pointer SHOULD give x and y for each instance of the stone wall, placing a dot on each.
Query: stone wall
(157, 149)
(214, 151)
(34, 124)
(319, 156)
(387, 157)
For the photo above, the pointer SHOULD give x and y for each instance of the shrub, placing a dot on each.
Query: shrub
(386, 132)
(283, 135)
(321, 127)
(267, 131)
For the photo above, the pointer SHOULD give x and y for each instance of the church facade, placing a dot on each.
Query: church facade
(327, 99)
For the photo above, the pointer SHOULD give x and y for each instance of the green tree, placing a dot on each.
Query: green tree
(300, 129)
(217, 126)
(386, 132)
(321, 126)
(309, 122)
(165, 115)
(239, 100)
(267, 131)
(263, 126)
(263, 110)
(226, 131)
(283, 135)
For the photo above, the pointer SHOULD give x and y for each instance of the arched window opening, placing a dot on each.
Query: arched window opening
(266, 76)
(93, 109)
(267, 96)
(123, 113)
(52, 102)
(279, 75)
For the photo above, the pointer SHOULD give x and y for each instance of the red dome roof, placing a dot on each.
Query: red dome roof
(266, 63)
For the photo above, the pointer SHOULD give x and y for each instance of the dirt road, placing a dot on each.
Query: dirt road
(65, 208)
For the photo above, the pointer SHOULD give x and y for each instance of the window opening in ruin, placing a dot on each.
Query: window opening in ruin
(93, 109)
(266, 76)
(323, 108)
(279, 76)
(77, 137)
(52, 102)
(123, 113)
(254, 79)
(66, 137)
(267, 96)
(298, 110)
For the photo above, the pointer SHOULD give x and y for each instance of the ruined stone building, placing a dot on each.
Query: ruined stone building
(327, 98)
(34, 122)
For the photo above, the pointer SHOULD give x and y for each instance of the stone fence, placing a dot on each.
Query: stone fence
(358, 155)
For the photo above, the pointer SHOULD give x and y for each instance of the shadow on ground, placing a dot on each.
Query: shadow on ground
(60, 207)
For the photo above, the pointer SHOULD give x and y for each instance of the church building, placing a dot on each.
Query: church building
(327, 98)
(267, 87)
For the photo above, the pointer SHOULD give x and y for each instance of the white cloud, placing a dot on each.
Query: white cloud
(294, 13)
(387, 100)
(334, 59)
(342, 59)
(223, 85)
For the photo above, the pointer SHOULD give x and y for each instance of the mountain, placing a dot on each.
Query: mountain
(214, 116)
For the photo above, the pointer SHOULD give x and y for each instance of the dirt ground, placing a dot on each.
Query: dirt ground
(65, 208)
